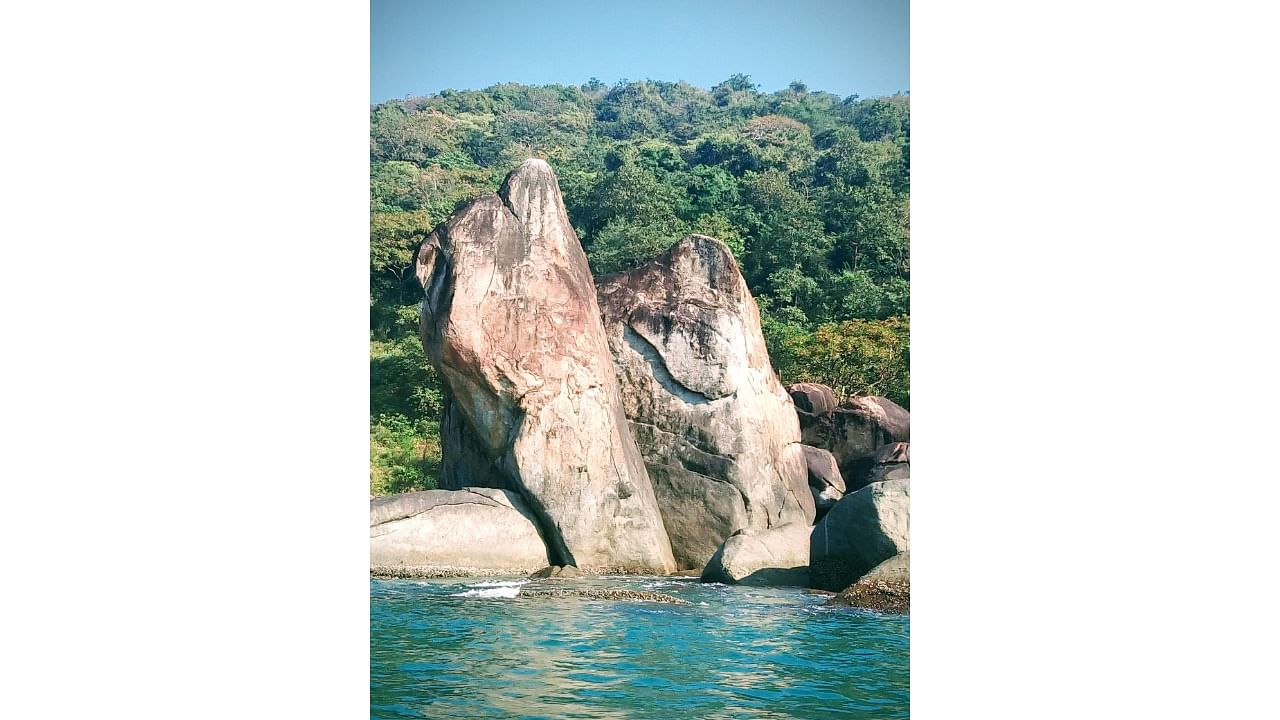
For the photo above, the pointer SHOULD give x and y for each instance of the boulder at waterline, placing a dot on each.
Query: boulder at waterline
(888, 462)
(886, 587)
(863, 530)
(453, 532)
(825, 481)
(717, 429)
(777, 556)
(511, 323)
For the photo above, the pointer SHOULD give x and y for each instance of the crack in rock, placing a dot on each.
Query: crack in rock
(661, 372)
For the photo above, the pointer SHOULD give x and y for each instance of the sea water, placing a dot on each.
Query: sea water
(475, 648)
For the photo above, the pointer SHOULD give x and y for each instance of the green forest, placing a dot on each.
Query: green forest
(810, 190)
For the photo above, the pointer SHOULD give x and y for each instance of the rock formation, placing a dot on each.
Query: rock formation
(862, 424)
(850, 430)
(718, 432)
(511, 323)
(453, 532)
(777, 556)
(863, 530)
(639, 428)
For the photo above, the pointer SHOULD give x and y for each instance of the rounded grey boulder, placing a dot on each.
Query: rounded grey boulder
(777, 556)
(863, 530)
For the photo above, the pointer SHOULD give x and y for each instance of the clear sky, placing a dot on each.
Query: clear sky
(841, 46)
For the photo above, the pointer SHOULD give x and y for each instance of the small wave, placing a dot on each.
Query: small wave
(499, 583)
(491, 592)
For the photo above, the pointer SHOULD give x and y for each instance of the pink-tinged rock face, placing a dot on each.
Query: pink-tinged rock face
(511, 322)
(718, 431)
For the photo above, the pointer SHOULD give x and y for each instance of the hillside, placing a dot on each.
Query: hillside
(809, 190)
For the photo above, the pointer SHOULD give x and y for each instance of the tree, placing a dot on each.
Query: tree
(865, 357)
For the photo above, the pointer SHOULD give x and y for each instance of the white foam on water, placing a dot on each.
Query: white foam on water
(499, 583)
(491, 592)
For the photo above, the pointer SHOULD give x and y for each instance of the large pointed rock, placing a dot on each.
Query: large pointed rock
(717, 429)
(512, 324)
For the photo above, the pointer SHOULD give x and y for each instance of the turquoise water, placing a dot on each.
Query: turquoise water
(448, 649)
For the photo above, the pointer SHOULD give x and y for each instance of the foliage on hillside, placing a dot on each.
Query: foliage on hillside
(810, 190)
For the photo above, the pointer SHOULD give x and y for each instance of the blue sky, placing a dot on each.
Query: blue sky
(845, 47)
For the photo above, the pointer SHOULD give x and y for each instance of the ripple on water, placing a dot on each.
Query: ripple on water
(437, 651)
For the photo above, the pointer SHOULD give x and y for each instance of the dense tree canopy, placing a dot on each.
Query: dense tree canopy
(810, 190)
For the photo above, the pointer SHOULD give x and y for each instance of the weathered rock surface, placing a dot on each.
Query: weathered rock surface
(453, 531)
(863, 530)
(825, 481)
(886, 587)
(719, 433)
(777, 556)
(512, 324)
(888, 462)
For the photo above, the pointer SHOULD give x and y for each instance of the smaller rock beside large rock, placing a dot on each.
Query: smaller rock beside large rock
(812, 398)
(777, 556)
(886, 587)
(825, 481)
(453, 532)
(863, 530)
(814, 405)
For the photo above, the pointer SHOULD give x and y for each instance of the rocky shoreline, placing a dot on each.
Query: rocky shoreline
(605, 594)
(412, 572)
(633, 424)
(416, 572)
(881, 596)
(885, 588)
